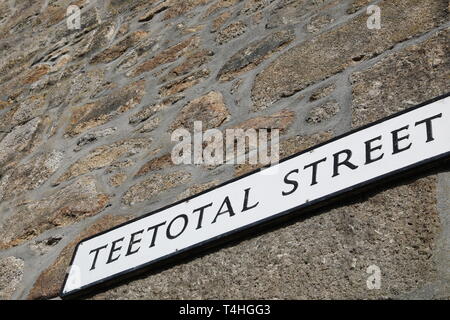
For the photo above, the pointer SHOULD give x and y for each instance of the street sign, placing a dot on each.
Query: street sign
(382, 150)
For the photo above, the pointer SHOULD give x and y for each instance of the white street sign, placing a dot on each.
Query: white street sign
(394, 145)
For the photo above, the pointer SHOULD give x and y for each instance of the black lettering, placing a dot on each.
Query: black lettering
(154, 233)
(246, 207)
(200, 216)
(134, 241)
(292, 182)
(185, 219)
(96, 255)
(314, 166)
(114, 249)
(370, 149)
(396, 139)
(429, 126)
(345, 162)
(229, 209)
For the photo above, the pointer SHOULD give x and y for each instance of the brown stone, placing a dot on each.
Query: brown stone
(30, 108)
(30, 175)
(219, 21)
(289, 147)
(4, 105)
(219, 5)
(252, 6)
(289, 12)
(210, 109)
(93, 136)
(78, 200)
(155, 10)
(11, 274)
(357, 4)
(36, 73)
(146, 113)
(117, 179)
(153, 186)
(179, 8)
(401, 80)
(256, 52)
(49, 282)
(323, 112)
(19, 141)
(156, 164)
(322, 92)
(97, 113)
(193, 29)
(104, 156)
(115, 51)
(169, 55)
(332, 52)
(118, 166)
(96, 40)
(150, 125)
(184, 83)
(281, 120)
(196, 189)
(230, 32)
(193, 61)
(319, 22)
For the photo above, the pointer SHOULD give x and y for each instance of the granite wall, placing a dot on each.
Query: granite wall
(86, 117)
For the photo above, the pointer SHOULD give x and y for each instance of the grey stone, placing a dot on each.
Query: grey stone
(11, 274)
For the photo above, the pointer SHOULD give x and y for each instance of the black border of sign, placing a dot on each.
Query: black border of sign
(213, 242)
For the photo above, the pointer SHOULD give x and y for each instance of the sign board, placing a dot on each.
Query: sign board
(384, 149)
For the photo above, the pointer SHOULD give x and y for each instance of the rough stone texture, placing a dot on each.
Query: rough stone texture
(29, 109)
(181, 7)
(146, 113)
(184, 83)
(19, 141)
(210, 109)
(104, 156)
(195, 189)
(423, 69)
(80, 199)
(254, 54)
(281, 121)
(289, 12)
(358, 4)
(156, 164)
(120, 48)
(169, 55)
(51, 279)
(323, 112)
(86, 118)
(252, 6)
(231, 32)
(193, 60)
(93, 137)
(332, 52)
(322, 92)
(317, 23)
(289, 147)
(97, 113)
(218, 5)
(153, 186)
(30, 175)
(11, 274)
(219, 21)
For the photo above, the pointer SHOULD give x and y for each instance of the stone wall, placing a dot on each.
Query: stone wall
(86, 117)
